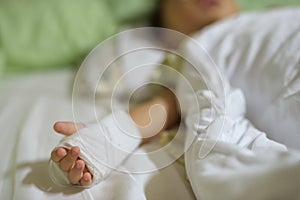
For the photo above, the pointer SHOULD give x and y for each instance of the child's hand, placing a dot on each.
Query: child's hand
(69, 160)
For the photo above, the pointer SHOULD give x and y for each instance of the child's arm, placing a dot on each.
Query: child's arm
(156, 115)
(150, 117)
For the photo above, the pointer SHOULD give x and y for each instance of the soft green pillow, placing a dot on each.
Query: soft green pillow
(37, 34)
(43, 34)
(1, 61)
(252, 5)
(130, 10)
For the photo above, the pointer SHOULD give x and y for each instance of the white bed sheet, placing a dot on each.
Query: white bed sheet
(29, 105)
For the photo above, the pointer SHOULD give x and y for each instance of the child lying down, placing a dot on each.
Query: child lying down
(258, 53)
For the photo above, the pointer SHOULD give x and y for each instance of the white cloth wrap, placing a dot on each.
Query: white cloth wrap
(105, 145)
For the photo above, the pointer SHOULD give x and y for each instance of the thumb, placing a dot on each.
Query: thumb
(67, 128)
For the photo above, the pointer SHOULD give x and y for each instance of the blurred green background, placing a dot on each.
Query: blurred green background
(48, 34)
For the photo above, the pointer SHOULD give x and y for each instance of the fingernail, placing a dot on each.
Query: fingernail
(86, 178)
(78, 166)
(60, 127)
(74, 153)
(60, 153)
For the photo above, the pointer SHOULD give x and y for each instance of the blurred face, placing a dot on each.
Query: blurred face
(187, 16)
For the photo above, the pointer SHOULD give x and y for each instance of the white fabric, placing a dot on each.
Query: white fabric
(231, 159)
(259, 53)
(104, 145)
(29, 106)
(128, 72)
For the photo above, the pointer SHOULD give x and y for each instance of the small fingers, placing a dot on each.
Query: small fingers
(58, 154)
(76, 172)
(86, 179)
(69, 160)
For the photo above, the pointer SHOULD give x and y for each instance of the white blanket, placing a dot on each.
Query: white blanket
(30, 104)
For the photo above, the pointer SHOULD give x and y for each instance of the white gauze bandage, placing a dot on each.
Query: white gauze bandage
(103, 145)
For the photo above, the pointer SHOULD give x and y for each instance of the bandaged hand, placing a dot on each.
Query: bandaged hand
(68, 159)
(86, 157)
